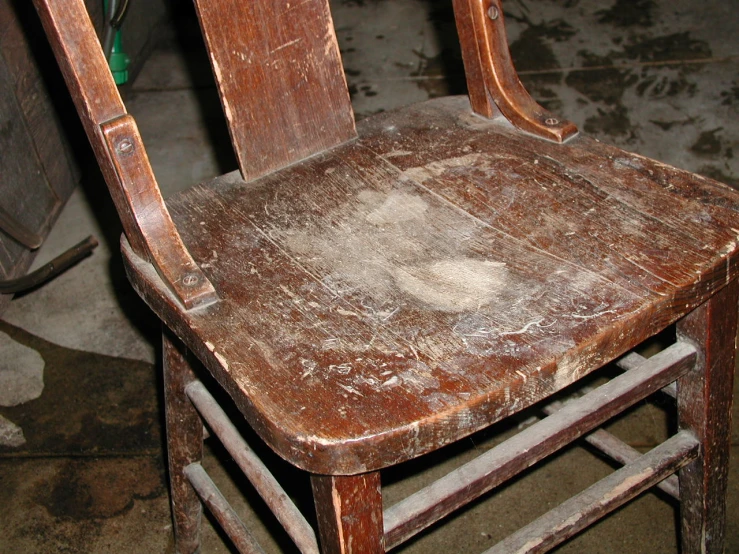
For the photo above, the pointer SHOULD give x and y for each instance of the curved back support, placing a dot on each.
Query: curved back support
(119, 150)
(491, 77)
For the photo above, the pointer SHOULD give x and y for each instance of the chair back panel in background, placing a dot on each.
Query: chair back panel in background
(280, 79)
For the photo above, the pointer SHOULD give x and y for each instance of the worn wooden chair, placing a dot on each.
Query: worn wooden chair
(368, 296)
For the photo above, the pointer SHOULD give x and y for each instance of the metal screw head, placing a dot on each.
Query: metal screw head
(125, 146)
(190, 279)
(493, 13)
(551, 121)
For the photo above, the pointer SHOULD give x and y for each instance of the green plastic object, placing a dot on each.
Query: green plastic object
(119, 61)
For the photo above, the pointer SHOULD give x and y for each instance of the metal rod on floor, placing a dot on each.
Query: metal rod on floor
(51, 269)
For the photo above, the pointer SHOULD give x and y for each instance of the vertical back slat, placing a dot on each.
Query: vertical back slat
(280, 79)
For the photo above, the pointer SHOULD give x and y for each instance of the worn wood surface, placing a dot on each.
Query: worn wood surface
(617, 450)
(508, 459)
(150, 219)
(184, 443)
(349, 512)
(280, 78)
(38, 172)
(443, 272)
(382, 297)
(258, 474)
(704, 407)
(222, 511)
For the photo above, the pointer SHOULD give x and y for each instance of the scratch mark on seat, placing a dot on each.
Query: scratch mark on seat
(652, 273)
(352, 390)
(524, 329)
(221, 359)
(414, 178)
(285, 45)
(577, 316)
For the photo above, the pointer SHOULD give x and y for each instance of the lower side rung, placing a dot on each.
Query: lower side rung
(632, 360)
(222, 510)
(618, 451)
(495, 466)
(572, 516)
(258, 474)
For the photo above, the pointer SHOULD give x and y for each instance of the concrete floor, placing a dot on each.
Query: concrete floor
(81, 461)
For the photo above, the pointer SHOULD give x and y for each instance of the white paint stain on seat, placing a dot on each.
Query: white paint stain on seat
(453, 285)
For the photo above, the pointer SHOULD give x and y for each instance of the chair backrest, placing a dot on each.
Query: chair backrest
(280, 79)
(283, 90)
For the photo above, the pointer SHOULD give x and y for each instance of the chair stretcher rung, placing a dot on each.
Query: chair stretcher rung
(260, 477)
(573, 515)
(632, 360)
(222, 510)
(576, 418)
(617, 450)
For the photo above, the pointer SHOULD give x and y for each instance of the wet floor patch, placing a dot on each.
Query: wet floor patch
(82, 464)
(99, 488)
(83, 505)
(90, 404)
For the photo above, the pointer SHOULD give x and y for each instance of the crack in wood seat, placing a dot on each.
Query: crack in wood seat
(417, 284)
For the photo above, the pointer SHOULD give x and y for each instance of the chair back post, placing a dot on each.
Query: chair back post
(119, 150)
(491, 77)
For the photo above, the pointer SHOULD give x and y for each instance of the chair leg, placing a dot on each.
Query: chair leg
(349, 510)
(704, 407)
(184, 444)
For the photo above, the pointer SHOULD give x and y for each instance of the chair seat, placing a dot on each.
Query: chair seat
(437, 274)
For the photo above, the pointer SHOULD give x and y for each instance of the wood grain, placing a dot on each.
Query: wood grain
(119, 150)
(492, 80)
(184, 443)
(386, 294)
(506, 460)
(377, 311)
(258, 474)
(222, 511)
(349, 511)
(585, 508)
(704, 408)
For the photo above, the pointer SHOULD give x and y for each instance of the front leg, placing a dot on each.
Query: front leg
(349, 510)
(184, 444)
(704, 407)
